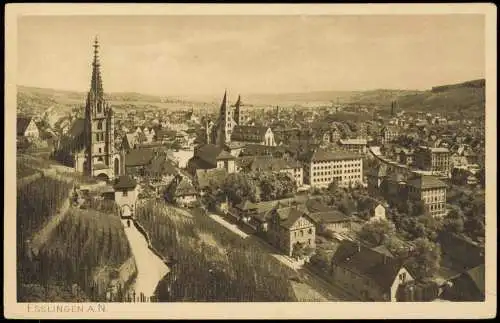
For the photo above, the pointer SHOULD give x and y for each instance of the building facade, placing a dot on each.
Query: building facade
(358, 145)
(126, 193)
(435, 160)
(388, 134)
(367, 273)
(321, 167)
(431, 191)
(288, 227)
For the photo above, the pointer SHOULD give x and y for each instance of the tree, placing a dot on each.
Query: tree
(424, 260)
(454, 221)
(377, 231)
(396, 247)
(481, 177)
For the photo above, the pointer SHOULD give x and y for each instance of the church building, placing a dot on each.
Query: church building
(90, 146)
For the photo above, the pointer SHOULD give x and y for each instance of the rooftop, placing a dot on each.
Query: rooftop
(139, 157)
(321, 154)
(124, 182)
(380, 267)
(426, 182)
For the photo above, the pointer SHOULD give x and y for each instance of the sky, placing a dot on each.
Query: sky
(176, 55)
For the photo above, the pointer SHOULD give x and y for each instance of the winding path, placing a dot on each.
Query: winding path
(150, 268)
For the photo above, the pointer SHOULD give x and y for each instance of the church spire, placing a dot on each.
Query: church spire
(237, 114)
(223, 106)
(96, 85)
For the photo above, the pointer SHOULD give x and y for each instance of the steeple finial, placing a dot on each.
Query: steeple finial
(96, 85)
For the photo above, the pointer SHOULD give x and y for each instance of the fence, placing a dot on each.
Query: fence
(130, 297)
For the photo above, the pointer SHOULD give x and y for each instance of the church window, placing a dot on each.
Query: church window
(100, 150)
(99, 125)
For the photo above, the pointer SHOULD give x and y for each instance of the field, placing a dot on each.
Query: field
(36, 203)
(84, 253)
(226, 267)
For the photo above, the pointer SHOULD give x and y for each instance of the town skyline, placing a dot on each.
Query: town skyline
(180, 60)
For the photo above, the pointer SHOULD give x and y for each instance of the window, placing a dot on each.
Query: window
(100, 150)
(301, 233)
(99, 125)
(310, 231)
(125, 193)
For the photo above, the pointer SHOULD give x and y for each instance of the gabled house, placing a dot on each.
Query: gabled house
(209, 156)
(26, 127)
(368, 273)
(138, 160)
(126, 193)
(290, 229)
(181, 192)
(469, 286)
(253, 134)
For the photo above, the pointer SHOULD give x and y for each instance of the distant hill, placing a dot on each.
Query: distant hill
(466, 98)
(36, 101)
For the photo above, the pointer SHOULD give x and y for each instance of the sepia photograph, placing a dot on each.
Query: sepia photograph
(178, 155)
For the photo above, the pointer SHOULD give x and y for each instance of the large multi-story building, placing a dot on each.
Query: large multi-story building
(321, 167)
(435, 160)
(431, 191)
(355, 145)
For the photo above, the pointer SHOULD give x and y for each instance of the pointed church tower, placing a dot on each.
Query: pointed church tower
(237, 112)
(99, 126)
(225, 122)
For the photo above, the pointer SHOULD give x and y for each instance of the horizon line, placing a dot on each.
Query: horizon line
(250, 93)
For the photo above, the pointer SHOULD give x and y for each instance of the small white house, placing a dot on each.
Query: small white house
(126, 193)
(378, 213)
